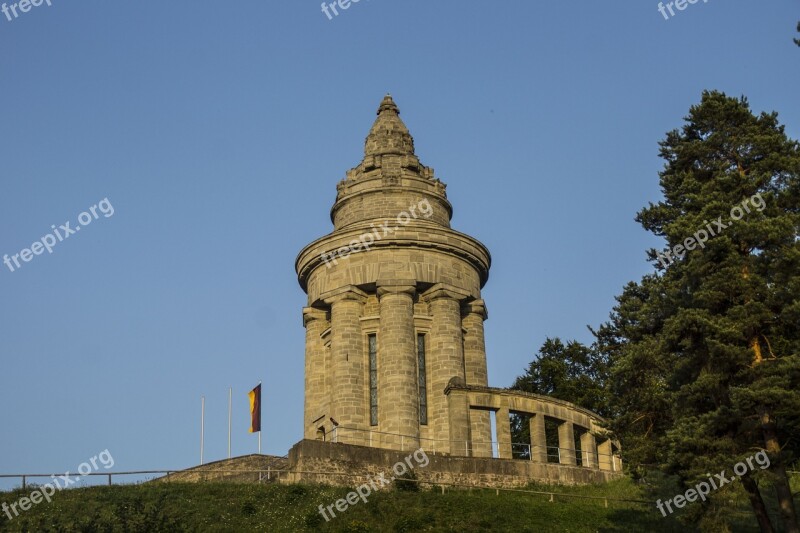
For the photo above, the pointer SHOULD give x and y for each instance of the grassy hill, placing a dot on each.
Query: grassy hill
(293, 508)
(222, 497)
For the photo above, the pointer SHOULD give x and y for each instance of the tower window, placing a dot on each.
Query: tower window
(423, 385)
(373, 379)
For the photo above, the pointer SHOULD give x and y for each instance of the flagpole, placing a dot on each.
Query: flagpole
(202, 425)
(259, 427)
(230, 400)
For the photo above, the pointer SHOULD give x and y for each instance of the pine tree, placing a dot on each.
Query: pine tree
(705, 355)
(639, 366)
(571, 372)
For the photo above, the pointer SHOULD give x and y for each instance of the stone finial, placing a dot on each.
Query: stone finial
(388, 134)
(388, 105)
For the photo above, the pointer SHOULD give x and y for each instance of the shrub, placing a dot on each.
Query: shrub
(356, 526)
(248, 509)
(404, 485)
(408, 524)
(313, 520)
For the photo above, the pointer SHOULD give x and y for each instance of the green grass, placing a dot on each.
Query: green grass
(293, 508)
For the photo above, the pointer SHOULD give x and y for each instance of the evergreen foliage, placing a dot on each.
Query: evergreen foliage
(705, 354)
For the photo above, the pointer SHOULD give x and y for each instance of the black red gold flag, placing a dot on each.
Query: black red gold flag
(255, 409)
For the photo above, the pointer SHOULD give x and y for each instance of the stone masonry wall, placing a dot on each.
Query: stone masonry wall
(347, 465)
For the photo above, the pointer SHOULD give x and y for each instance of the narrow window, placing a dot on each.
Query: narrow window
(423, 387)
(373, 380)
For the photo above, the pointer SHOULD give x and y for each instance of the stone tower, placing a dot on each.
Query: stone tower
(394, 310)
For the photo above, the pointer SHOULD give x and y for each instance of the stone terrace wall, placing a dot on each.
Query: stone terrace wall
(310, 460)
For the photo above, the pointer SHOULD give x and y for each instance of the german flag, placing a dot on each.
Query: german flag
(255, 409)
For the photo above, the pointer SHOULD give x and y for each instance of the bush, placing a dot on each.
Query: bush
(408, 524)
(356, 526)
(404, 485)
(248, 509)
(313, 520)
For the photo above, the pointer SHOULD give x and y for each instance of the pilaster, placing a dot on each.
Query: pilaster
(398, 392)
(538, 439)
(347, 362)
(474, 314)
(589, 450)
(605, 459)
(503, 433)
(446, 354)
(459, 427)
(316, 395)
(566, 443)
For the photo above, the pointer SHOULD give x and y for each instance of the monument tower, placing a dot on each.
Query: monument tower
(394, 313)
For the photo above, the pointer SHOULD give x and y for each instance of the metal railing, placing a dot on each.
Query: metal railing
(267, 474)
(443, 485)
(274, 473)
(108, 475)
(584, 458)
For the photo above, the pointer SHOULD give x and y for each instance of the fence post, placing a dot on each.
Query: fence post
(24, 483)
(109, 480)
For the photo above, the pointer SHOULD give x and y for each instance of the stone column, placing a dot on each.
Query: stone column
(503, 433)
(315, 322)
(566, 443)
(474, 344)
(398, 388)
(473, 315)
(589, 450)
(347, 363)
(538, 439)
(445, 361)
(604, 454)
(458, 408)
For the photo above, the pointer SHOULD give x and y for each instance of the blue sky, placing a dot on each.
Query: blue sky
(218, 132)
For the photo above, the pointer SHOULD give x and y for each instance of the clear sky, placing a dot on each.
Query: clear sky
(218, 131)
